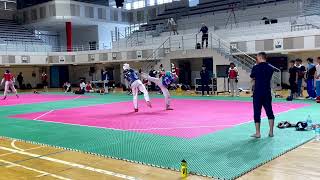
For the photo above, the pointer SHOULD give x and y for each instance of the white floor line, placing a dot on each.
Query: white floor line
(74, 165)
(155, 128)
(43, 115)
(15, 147)
(11, 164)
(171, 128)
(77, 97)
(6, 154)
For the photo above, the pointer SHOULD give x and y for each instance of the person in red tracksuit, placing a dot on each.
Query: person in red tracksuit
(233, 79)
(9, 80)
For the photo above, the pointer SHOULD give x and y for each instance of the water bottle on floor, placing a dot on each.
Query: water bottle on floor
(317, 130)
(309, 122)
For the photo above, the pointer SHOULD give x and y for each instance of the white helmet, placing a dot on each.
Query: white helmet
(126, 66)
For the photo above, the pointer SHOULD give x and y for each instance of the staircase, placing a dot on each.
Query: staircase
(243, 60)
(13, 33)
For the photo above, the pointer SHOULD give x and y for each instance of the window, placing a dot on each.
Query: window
(42, 12)
(102, 13)
(115, 16)
(124, 17)
(128, 6)
(89, 12)
(2, 5)
(140, 16)
(193, 3)
(75, 10)
(25, 16)
(52, 10)
(138, 4)
(151, 2)
(34, 14)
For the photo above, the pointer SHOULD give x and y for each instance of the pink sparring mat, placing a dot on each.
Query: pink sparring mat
(189, 119)
(35, 98)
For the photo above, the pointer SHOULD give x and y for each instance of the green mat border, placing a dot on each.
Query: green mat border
(153, 165)
(163, 167)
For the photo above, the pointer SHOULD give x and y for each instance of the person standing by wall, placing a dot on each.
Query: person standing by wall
(44, 80)
(293, 79)
(262, 96)
(205, 78)
(205, 35)
(173, 26)
(153, 73)
(20, 80)
(318, 77)
(233, 76)
(301, 69)
(105, 80)
(310, 75)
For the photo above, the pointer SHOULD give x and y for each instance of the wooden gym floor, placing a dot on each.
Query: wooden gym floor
(20, 160)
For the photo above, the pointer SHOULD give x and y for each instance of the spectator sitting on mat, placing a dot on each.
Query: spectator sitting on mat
(67, 87)
(82, 88)
(89, 88)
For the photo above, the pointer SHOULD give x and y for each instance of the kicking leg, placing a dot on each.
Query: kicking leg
(164, 90)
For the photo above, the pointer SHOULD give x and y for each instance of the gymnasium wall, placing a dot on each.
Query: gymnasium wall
(27, 73)
(244, 80)
(81, 35)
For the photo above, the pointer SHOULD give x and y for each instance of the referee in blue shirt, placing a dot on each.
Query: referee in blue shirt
(262, 97)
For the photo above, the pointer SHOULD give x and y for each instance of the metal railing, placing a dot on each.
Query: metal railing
(158, 53)
(41, 47)
(302, 27)
(244, 60)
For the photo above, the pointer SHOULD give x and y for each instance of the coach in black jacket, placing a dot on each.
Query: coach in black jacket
(205, 78)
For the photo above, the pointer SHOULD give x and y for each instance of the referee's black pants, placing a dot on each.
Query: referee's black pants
(264, 101)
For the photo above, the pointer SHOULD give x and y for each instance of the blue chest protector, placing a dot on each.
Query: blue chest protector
(167, 80)
(130, 75)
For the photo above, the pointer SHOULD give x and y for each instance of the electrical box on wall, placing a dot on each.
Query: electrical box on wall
(139, 54)
(62, 59)
(114, 56)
